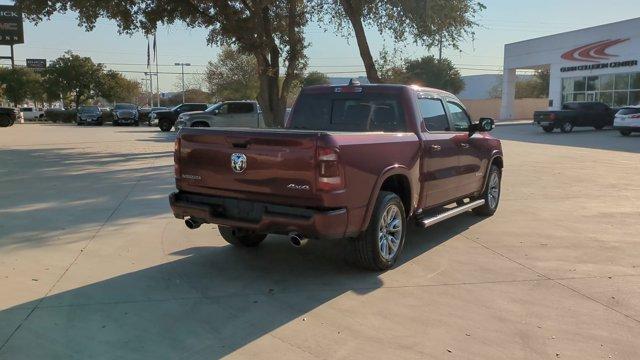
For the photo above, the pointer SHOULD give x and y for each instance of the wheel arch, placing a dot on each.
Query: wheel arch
(496, 159)
(394, 179)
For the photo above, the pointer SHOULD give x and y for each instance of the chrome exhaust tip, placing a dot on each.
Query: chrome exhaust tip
(192, 223)
(297, 240)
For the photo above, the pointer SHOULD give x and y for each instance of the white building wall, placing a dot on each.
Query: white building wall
(547, 51)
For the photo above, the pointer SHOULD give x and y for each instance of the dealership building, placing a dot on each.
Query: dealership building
(600, 63)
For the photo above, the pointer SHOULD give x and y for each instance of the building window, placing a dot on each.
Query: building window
(606, 97)
(634, 98)
(635, 81)
(606, 82)
(614, 90)
(579, 84)
(622, 82)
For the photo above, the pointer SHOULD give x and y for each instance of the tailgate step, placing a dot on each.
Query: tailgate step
(427, 221)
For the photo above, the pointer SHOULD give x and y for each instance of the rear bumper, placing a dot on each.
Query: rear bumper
(260, 217)
(543, 123)
(628, 128)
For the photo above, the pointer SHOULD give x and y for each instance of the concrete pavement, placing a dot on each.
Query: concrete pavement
(93, 265)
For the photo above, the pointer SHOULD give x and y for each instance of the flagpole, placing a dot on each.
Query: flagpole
(155, 47)
(150, 88)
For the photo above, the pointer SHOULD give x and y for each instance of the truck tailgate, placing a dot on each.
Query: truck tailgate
(279, 163)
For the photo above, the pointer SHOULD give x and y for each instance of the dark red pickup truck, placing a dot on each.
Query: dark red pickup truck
(353, 162)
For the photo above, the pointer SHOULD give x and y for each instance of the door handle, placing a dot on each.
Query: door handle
(464, 145)
(436, 147)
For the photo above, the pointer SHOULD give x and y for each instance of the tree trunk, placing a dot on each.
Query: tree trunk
(269, 94)
(355, 17)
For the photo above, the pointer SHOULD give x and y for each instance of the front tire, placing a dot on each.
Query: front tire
(491, 194)
(380, 245)
(566, 127)
(625, 132)
(240, 237)
(547, 129)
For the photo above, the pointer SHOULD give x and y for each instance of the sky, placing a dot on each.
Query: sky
(503, 22)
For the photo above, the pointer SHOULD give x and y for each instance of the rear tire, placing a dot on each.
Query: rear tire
(566, 127)
(491, 194)
(625, 132)
(5, 122)
(240, 237)
(548, 129)
(380, 245)
(165, 125)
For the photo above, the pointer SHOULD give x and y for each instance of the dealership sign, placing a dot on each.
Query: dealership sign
(11, 31)
(595, 54)
(37, 63)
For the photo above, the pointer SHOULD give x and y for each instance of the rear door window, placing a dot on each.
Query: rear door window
(434, 115)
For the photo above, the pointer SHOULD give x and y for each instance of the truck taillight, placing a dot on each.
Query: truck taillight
(176, 158)
(552, 117)
(329, 171)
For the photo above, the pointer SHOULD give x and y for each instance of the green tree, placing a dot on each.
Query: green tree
(436, 73)
(19, 84)
(232, 76)
(427, 22)
(391, 69)
(190, 96)
(315, 78)
(75, 76)
(270, 30)
(533, 87)
(114, 87)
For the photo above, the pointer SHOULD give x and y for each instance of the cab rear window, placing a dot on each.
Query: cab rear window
(351, 112)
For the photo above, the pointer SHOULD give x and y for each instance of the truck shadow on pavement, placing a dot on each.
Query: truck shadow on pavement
(205, 302)
(589, 138)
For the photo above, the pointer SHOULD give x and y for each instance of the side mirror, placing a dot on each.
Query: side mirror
(486, 124)
(216, 112)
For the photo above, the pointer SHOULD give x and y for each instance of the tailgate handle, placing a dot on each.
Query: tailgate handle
(239, 145)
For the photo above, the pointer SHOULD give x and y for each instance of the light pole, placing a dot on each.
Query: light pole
(182, 65)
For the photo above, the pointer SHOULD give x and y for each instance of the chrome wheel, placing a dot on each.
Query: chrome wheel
(390, 232)
(494, 190)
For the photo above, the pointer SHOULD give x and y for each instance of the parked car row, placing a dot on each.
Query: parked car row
(589, 114)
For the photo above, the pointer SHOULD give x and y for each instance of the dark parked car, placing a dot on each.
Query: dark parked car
(89, 115)
(353, 162)
(125, 114)
(575, 114)
(146, 112)
(8, 116)
(167, 118)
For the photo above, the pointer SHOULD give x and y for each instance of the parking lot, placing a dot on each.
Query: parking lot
(94, 266)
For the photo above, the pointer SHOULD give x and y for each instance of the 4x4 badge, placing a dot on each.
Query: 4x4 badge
(238, 162)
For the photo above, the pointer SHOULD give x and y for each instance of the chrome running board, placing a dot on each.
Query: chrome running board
(428, 221)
